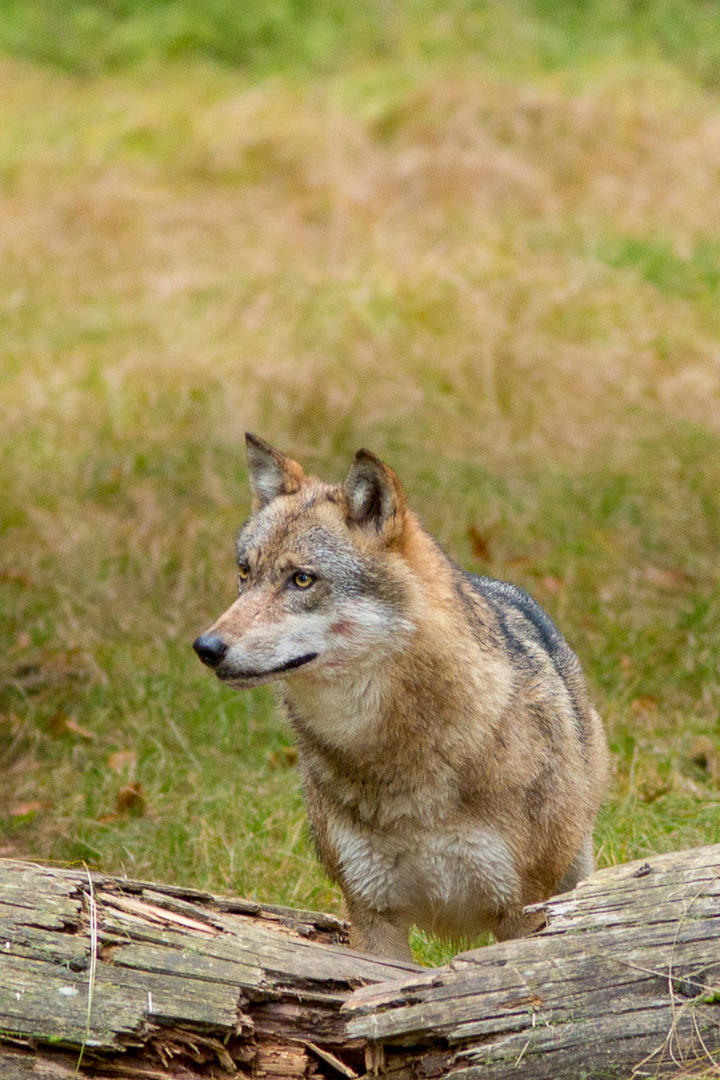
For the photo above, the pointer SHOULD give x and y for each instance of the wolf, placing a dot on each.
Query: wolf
(452, 762)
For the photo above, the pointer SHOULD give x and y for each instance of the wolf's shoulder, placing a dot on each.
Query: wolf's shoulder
(519, 616)
(505, 597)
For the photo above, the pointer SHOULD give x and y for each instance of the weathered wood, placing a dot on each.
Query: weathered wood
(623, 981)
(180, 983)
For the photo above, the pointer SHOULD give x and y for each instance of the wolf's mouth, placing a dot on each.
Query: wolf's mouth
(296, 662)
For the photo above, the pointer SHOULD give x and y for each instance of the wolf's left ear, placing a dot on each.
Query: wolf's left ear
(270, 472)
(374, 496)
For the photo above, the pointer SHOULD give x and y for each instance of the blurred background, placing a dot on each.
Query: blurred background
(480, 238)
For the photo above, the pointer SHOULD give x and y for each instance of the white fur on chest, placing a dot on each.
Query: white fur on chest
(346, 712)
(455, 881)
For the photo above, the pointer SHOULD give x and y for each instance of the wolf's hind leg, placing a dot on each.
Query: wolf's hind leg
(520, 923)
(580, 868)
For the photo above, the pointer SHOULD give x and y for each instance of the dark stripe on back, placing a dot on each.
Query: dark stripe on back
(503, 596)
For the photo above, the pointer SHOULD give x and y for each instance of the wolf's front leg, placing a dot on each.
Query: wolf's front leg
(379, 933)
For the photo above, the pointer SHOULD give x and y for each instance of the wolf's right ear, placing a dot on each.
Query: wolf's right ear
(270, 472)
(375, 497)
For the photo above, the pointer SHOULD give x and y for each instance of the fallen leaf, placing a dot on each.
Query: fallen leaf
(17, 577)
(665, 578)
(479, 544)
(29, 808)
(130, 799)
(56, 724)
(706, 756)
(282, 758)
(72, 726)
(62, 724)
(122, 761)
(644, 703)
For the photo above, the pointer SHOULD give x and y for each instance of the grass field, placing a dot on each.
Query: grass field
(481, 239)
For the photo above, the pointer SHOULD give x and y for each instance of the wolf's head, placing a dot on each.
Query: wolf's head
(322, 577)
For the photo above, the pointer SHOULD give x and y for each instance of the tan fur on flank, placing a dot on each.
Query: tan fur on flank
(452, 763)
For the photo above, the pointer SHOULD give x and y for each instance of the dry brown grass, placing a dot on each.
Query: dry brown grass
(314, 264)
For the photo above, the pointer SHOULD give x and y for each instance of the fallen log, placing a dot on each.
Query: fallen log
(104, 977)
(623, 981)
(158, 981)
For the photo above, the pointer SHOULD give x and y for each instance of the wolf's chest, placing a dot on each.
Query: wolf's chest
(440, 879)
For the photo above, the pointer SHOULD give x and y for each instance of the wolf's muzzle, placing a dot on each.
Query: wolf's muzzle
(210, 648)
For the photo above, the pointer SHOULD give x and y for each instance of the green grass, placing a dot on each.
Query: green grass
(694, 276)
(481, 239)
(321, 36)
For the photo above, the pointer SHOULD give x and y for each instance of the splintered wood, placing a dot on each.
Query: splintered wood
(104, 977)
(169, 983)
(624, 979)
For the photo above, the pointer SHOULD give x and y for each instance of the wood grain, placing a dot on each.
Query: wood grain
(150, 981)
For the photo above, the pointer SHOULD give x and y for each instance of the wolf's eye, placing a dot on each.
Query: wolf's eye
(243, 573)
(302, 580)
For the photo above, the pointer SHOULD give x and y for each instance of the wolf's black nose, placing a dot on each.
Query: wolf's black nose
(210, 648)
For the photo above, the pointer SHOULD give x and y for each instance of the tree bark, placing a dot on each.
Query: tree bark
(105, 977)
